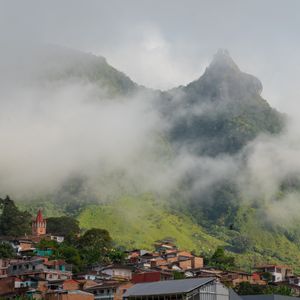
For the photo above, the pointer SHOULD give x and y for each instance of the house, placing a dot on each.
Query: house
(294, 280)
(9, 287)
(118, 271)
(164, 245)
(204, 272)
(42, 268)
(134, 256)
(42, 252)
(150, 276)
(71, 284)
(257, 279)
(186, 263)
(234, 278)
(68, 295)
(103, 291)
(111, 290)
(25, 244)
(4, 265)
(278, 272)
(194, 288)
(57, 238)
(91, 275)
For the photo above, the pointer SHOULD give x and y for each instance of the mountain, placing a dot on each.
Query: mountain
(214, 117)
(224, 109)
(52, 64)
(68, 64)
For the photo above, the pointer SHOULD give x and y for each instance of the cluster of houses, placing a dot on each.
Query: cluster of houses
(145, 275)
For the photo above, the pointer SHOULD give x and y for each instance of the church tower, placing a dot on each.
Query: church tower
(39, 224)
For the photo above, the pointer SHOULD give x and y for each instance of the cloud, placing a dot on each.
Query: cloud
(149, 58)
(54, 130)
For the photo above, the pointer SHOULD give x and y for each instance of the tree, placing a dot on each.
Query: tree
(246, 288)
(63, 226)
(6, 250)
(13, 222)
(241, 243)
(95, 245)
(220, 259)
(116, 256)
(278, 290)
(72, 256)
(47, 244)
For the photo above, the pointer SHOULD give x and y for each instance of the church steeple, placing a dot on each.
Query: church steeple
(39, 224)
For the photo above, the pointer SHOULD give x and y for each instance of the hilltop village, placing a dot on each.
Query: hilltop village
(41, 268)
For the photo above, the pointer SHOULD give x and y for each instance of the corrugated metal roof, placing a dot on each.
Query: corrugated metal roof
(167, 287)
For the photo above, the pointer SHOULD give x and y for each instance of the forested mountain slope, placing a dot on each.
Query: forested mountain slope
(211, 123)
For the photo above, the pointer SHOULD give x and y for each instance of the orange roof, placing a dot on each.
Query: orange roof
(185, 253)
(134, 255)
(160, 262)
(168, 251)
(172, 259)
(54, 262)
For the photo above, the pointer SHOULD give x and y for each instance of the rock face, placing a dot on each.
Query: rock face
(223, 80)
(223, 109)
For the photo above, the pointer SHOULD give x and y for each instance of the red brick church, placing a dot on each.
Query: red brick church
(39, 225)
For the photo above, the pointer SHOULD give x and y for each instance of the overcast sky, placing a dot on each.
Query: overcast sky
(162, 44)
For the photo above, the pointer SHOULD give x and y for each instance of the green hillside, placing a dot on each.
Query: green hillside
(136, 222)
(139, 221)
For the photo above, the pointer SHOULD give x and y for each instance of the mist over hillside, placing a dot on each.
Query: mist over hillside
(75, 131)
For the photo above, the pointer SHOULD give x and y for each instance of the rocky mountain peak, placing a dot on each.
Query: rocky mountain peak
(222, 62)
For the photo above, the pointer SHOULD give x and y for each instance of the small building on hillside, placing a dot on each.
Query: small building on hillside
(42, 268)
(117, 271)
(278, 272)
(112, 290)
(68, 295)
(294, 280)
(164, 245)
(151, 276)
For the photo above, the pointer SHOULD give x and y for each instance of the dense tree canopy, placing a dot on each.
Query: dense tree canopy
(13, 222)
(6, 250)
(246, 288)
(221, 259)
(63, 226)
(95, 245)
